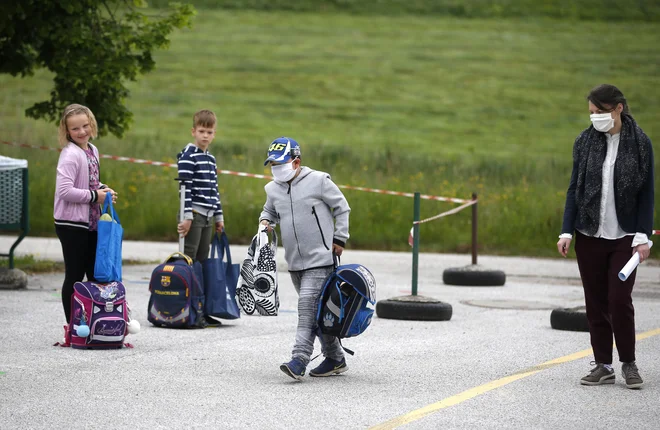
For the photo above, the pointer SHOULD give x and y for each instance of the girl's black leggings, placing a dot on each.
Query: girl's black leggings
(79, 250)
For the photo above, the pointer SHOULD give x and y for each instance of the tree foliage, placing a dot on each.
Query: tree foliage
(92, 47)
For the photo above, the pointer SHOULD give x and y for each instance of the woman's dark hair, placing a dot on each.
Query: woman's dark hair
(610, 95)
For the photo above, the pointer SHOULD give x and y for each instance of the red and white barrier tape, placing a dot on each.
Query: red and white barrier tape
(139, 160)
(444, 214)
(248, 175)
(449, 212)
(398, 193)
(466, 202)
(453, 211)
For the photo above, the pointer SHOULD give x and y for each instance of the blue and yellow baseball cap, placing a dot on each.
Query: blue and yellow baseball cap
(282, 149)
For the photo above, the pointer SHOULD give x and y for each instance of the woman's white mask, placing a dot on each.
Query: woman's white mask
(602, 122)
(283, 172)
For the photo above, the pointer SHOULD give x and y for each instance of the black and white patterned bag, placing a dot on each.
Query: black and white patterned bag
(257, 283)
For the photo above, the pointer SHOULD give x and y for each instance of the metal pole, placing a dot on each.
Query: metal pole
(182, 203)
(474, 229)
(415, 245)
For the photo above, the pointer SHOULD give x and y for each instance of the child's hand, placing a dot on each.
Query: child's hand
(337, 249)
(102, 194)
(184, 227)
(219, 227)
(267, 224)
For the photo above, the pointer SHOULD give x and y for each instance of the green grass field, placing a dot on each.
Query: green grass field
(602, 10)
(440, 105)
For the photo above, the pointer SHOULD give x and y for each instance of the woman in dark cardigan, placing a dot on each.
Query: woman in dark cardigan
(609, 207)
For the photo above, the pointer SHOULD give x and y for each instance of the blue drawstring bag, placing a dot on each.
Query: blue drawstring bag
(107, 267)
(220, 279)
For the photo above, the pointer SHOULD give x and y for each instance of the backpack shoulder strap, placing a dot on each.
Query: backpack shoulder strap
(319, 334)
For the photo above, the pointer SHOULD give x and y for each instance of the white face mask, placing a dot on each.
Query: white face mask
(283, 172)
(602, 122)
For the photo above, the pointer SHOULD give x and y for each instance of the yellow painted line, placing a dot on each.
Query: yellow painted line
(648, 334)
(482, 389)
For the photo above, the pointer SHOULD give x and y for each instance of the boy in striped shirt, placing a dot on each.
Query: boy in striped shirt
(197, 168)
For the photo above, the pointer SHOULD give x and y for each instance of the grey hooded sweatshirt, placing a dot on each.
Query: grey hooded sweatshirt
(305, 210)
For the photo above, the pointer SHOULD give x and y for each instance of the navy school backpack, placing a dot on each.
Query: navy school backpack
(177, 293)
(347, 301)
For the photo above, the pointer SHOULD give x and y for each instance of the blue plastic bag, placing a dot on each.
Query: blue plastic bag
(220, 279)
(107, 267)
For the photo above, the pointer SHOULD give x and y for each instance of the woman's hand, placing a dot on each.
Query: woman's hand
(644, 251)
(563, 245)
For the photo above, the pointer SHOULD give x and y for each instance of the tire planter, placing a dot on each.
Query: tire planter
(416, 308)
(569, 319)
(473, 276)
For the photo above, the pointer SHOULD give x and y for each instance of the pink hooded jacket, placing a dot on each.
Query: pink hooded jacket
(72, 193)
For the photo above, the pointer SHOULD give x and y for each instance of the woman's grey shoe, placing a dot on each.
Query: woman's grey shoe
(599, 375)
(631, 374)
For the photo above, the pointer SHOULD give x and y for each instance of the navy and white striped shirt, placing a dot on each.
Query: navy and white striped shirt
(197, 168)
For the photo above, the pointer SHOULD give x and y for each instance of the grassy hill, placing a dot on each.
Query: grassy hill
(590, 10)
(437, 104)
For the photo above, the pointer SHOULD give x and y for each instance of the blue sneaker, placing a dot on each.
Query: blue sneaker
(330, 367)
(294, 368)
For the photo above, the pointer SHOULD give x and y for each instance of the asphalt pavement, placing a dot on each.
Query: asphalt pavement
(497, 364)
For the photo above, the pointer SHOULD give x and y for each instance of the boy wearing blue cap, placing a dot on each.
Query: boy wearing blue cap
(313, 216)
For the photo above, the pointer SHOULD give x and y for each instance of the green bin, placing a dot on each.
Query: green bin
(14, 200)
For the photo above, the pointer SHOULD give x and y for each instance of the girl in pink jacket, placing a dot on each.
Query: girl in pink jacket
(79, 195)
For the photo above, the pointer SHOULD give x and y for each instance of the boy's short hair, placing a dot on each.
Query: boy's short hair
(204, 118)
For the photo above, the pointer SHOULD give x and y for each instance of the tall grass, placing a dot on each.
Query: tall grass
(439, 105)
(605, 10)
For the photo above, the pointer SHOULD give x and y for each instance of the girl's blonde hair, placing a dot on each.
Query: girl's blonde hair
(75, 109)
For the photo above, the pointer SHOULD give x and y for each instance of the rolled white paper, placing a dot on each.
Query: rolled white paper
(631, 265)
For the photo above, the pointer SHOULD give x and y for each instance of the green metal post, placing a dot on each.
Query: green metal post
(25, 219)
(415, 245)
(474, 230)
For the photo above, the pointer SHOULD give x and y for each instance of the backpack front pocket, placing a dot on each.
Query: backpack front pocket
(170, 301)
(108, 329)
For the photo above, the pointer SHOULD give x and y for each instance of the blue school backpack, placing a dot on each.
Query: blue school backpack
(347, 301)
(177, 294)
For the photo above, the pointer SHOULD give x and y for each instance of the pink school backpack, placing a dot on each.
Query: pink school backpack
(99, 316)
